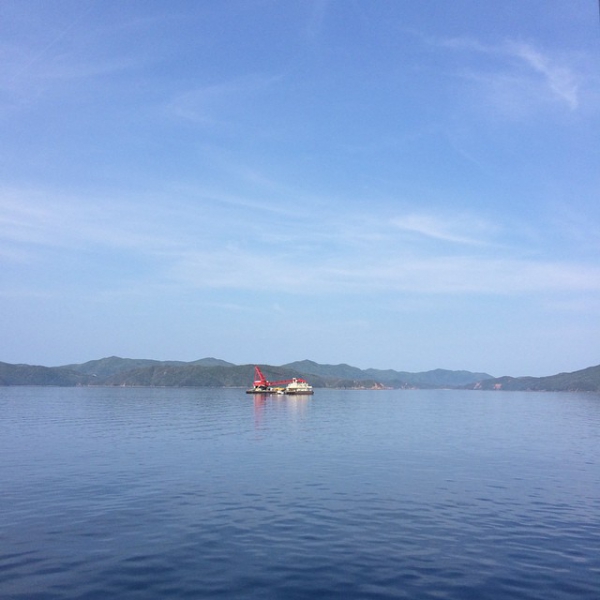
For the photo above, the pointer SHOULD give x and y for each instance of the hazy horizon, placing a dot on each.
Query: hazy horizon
(283, 364)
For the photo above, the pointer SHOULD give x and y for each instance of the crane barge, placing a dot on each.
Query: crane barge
(294, 386)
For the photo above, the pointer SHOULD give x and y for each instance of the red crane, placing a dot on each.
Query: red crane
(260, 381)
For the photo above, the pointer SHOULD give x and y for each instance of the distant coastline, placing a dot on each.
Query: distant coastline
(213, 372)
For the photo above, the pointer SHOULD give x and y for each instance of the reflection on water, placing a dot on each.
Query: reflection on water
(137, 493)
(274, 405)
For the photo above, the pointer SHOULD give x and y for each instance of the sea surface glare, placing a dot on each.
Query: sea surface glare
(209, 493)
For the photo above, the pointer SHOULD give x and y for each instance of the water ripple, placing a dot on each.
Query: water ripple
(202, 493)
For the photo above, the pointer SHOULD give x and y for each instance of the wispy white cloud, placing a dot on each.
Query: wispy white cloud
(34, 222)
(218, 103)
(559, 79)
(577, 227)
(37, 54)
(452, 228)
(187, 248)
(235, 268)
(582, 304)
(519, 76)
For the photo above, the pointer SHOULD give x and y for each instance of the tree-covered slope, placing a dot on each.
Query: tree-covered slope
(434, 378)
(106, 367)
(213, 372)
(585, 380)
(37, 375)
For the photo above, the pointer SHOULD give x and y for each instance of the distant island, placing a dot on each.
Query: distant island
(213, 372)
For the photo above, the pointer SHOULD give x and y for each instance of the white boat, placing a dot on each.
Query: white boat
(298, 387)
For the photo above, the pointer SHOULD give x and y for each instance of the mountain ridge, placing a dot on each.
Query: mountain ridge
(441, 377)
(583, 380)
(214, 372)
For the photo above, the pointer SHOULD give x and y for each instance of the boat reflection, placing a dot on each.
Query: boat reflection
(278, 405)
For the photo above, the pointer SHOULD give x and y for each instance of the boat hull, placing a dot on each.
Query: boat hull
(271, 391)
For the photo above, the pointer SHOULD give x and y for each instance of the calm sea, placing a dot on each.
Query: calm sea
(201, 493)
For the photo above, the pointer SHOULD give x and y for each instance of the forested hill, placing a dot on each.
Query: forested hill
(435, 378)
(585, 380)
(213, 372)
(36, 375)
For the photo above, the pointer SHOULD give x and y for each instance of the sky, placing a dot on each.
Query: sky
(393, 184)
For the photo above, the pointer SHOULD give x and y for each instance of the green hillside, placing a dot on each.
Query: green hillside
(213, 372)
(37, 375)
(585, 380)
(435, 378)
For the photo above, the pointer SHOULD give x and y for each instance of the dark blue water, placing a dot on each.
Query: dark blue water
(160, 493)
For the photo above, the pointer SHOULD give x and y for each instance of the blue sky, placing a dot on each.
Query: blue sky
(391, 184)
